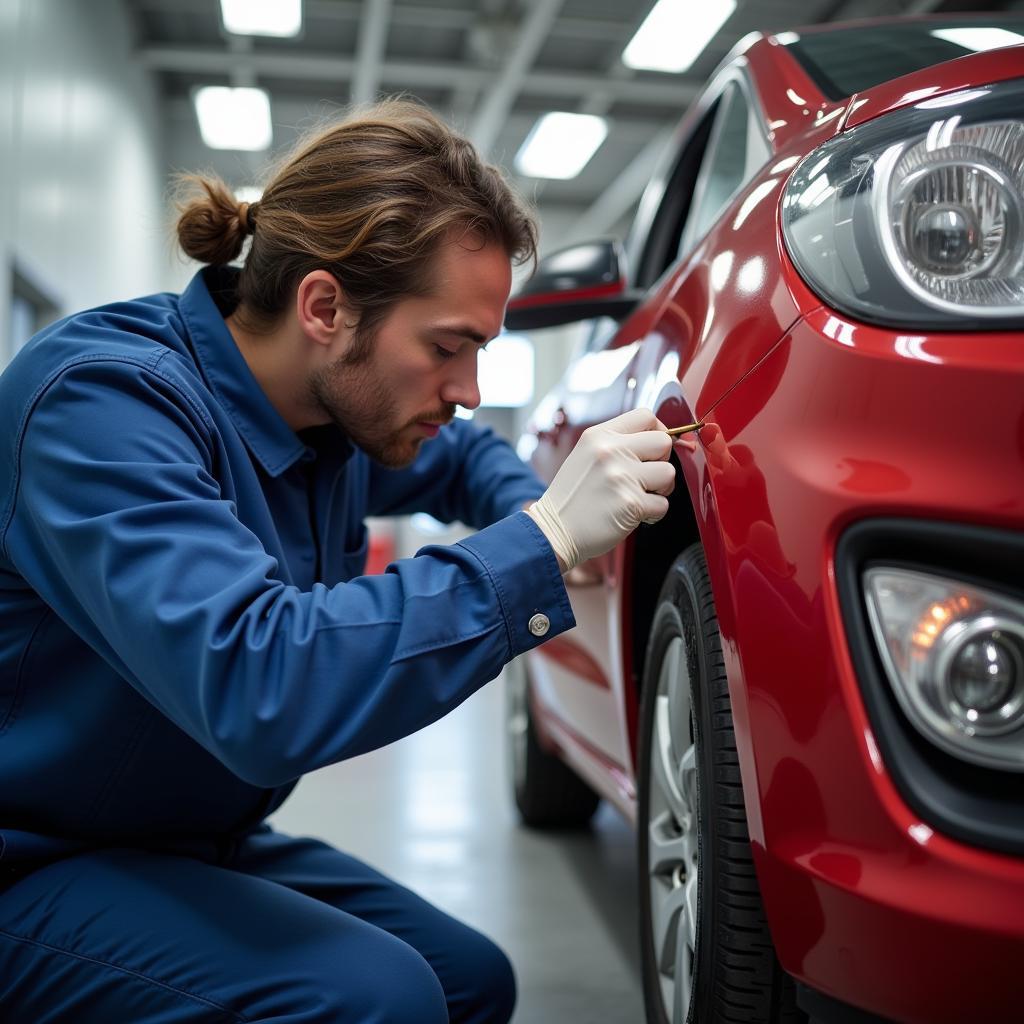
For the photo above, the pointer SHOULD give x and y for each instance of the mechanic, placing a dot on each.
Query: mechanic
(184, 627)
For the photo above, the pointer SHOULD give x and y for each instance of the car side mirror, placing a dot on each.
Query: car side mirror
(578, 283)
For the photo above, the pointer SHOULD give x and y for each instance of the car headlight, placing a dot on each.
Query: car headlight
(954, 655)
(917, 218)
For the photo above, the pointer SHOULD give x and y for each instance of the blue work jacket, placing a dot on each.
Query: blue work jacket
(184, 627)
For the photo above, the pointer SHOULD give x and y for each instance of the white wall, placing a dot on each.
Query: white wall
(82, 170)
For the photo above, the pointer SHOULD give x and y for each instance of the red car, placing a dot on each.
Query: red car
(806, 685)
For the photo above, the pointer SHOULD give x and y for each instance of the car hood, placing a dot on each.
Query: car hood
(973, 71)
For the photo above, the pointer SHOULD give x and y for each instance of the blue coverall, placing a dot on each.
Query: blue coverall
(184, 632)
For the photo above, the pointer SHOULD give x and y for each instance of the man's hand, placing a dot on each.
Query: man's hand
(616, 478)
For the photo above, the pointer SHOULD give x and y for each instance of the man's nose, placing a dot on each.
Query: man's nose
(462, 387)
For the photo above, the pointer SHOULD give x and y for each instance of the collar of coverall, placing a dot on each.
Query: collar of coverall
(209, 298)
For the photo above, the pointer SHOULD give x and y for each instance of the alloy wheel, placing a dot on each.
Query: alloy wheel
(672, 848)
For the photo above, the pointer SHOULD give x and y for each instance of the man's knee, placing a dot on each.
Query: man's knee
(488, 991)
(401, 991)
(388, 982)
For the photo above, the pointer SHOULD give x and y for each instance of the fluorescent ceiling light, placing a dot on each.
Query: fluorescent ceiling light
(248, 194)
(978, 39)
(675, 34)
(559, 145)
(233, 118)
(505, 372)
(262, 17)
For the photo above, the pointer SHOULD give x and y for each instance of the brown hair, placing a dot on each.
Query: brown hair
(368, 199)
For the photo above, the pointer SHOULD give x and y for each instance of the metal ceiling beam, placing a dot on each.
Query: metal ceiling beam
(294, 113)
(600, 102)
(626, 188)
(373, 36)
(433, 16)
(498, 101)
(350, 10)
(330, 71)
(464, 96)
(241, 74)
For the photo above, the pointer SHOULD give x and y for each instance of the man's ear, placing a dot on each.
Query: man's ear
(322, 309)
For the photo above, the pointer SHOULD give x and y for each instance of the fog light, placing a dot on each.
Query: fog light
(983, 675)
(979, 663)
(954, 655)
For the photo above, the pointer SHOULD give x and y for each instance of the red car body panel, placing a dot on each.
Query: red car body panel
(813, 421)
(963, 73)
(835, 874)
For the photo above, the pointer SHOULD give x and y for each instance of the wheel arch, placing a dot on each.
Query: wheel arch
(652, 551)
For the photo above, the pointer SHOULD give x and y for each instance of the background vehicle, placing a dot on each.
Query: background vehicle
(806, 685)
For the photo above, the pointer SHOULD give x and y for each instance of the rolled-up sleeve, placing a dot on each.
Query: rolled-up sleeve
(120, 523)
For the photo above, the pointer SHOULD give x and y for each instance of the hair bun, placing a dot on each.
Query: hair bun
(212, 223)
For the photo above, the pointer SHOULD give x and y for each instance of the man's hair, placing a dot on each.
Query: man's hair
(369, 199)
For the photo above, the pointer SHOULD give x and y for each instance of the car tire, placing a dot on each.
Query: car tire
(707, 954)
(548, 794)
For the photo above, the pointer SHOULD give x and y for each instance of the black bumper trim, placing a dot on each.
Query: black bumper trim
(823, 1009)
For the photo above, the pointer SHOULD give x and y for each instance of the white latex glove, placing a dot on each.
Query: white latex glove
(616, 478)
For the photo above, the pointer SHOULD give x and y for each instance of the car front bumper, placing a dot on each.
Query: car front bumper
(874, 899)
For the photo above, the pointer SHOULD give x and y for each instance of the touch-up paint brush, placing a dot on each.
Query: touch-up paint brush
(688, 429)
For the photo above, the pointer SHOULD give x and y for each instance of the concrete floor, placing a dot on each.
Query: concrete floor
(434, 812)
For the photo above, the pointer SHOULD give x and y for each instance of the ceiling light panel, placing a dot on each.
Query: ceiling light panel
(560, 145)
(262, 17)
(676, 33)
(233, 118)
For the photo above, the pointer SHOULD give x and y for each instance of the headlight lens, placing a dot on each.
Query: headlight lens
(917, 218)
(984, 675)
(954, 656)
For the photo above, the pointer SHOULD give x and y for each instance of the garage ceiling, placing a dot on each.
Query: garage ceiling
(489, 66)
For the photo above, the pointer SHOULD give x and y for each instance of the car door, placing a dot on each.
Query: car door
(574, 675)
(580, 678)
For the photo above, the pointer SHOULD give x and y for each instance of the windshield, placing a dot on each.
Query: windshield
(854, 59)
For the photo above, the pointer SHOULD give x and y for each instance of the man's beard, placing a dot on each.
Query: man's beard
(360, 404)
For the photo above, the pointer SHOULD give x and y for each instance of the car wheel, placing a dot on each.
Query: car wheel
(706, 951)
(548, 793)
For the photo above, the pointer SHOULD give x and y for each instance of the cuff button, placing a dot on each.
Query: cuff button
(539, 624)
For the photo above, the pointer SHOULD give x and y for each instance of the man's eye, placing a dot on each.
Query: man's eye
(444, 353)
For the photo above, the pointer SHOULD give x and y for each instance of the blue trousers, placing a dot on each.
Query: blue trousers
(284, 930)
